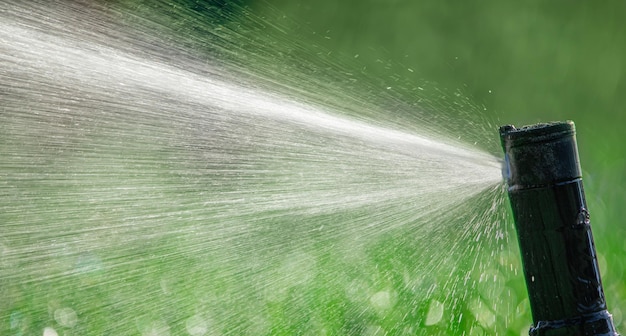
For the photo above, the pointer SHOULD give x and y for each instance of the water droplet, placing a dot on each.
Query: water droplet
(49, 331)
(66, 317)
(153, 328)
(435, 313)
(483, 314)
(582, 219)
(196, 326)
(381, 300)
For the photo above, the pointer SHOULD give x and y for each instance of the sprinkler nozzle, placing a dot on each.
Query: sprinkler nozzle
(543, 174)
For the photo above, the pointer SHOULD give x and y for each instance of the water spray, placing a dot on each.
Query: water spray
(545, 188)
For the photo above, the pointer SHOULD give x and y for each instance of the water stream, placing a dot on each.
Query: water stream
(142, 193)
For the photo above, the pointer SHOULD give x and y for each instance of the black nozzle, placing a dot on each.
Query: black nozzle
(554, 233)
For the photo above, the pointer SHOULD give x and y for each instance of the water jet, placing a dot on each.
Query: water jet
(552, 222)
(147, 189)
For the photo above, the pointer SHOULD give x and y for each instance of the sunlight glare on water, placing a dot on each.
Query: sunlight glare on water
(139, 194)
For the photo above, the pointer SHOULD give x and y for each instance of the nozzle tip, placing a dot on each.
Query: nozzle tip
(539, 154)
(543, 132)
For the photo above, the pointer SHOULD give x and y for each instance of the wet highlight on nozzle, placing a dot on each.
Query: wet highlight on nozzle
(542, 170)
